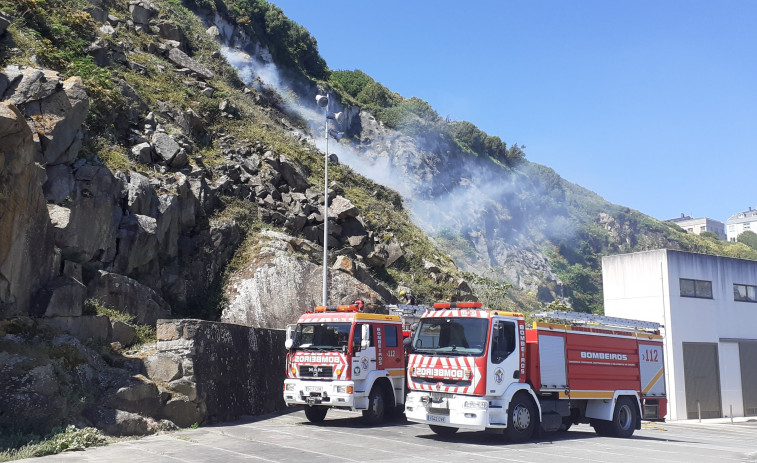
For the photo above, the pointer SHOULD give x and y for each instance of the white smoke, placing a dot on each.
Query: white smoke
(481, 197)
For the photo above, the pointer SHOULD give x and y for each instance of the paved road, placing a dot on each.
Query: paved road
(343, 438)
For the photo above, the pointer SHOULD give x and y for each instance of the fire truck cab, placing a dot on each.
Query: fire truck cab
(342, 358)
(478, 369)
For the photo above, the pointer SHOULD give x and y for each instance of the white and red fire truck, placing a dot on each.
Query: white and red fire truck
(478, 369)
(342, 358)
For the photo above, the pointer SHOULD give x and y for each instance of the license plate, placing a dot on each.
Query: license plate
(436, 419)
(314, 388)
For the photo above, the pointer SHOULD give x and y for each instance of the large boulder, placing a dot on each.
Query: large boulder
(142, 11)
(54, 110)
(61, 297)
(119, 422)
(293, 175)
(124, 294)
(92, 216)
(140, 396)
(141, 198)
(137, 243)
(163, 367)
(181, 59)
(169, 151)
(26, 240)
(255, 294)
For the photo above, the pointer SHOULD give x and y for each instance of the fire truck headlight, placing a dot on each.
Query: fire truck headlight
(289, 386)
(480, 404)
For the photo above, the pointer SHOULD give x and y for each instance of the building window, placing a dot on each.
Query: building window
(690, 229)
(747, 226)
(702, 228)
(696, 288)
(731, 227)
(744, 293)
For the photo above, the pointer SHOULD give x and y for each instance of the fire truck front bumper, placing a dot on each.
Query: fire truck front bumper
(455, 411)
(329, 393)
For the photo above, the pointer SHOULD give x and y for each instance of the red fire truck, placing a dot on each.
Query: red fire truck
(342, 358)
(478, 369)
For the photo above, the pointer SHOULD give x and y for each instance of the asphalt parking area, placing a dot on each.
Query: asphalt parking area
(343, 438)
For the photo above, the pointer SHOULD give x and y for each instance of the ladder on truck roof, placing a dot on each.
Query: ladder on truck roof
(408, 313)
(580, 318)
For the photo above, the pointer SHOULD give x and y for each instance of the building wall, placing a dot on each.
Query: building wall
(646, 286)
(701, 225)
(741, 222)
(735, 229)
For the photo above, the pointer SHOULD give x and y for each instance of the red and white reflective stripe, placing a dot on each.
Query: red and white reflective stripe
(318, 318)
(462, 313)
(330, 359)
(465, 364)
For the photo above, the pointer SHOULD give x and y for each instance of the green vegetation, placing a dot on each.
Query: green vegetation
(749, 238)
(20, 446)
(291, 44)
(577, 260)
(54, 34)
(145, 333)
(414, 116)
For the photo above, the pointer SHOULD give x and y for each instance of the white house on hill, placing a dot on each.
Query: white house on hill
(741, 222)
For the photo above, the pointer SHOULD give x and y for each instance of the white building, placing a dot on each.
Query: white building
(700, 225)
(741, 222)
(708, 306)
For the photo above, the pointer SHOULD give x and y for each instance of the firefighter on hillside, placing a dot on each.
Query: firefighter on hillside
(409, 298)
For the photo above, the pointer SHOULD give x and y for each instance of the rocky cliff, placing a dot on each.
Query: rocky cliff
(156, 185)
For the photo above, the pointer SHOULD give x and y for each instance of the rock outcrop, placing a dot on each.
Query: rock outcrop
(26, 235)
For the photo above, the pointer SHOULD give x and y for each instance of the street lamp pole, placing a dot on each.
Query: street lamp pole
(323, 101)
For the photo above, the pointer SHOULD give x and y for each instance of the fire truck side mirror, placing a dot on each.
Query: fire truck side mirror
(290, 334)
(365, 336)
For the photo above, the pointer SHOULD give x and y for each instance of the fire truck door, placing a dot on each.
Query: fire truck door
(503, 362)
(389, 353)
(391, 349)
(365, 359)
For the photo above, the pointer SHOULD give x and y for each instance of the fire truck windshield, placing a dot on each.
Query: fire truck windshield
(322, 336)
(451, 336)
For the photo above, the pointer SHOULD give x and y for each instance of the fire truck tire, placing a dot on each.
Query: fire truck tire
(443, 431)
(521, 418)
(377, 406)
(623, 418)
(315, 414)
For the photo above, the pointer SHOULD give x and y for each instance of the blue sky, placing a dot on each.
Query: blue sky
(651, 104)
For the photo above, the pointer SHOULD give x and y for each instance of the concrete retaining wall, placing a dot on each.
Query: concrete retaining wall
(235, 370)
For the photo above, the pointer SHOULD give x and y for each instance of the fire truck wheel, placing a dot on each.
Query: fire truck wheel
(624, 418)
(443, 431)
(377, 405)
(521, 418)
(315, 414)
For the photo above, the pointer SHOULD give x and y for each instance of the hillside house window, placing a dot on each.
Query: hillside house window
(696, 288)
(731, 227)
(702, 228)
(744, 293)
(747, 226)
